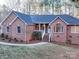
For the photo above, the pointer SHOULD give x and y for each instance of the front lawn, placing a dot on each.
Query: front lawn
(48, 51)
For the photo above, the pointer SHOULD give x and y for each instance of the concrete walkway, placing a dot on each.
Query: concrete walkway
(11, 44)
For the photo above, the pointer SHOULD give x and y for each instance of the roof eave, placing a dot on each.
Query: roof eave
(41, 22)
(7, 16)
(72, 24)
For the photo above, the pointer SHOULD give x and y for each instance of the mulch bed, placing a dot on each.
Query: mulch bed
(11, 41)
(34, 41)
(37, 41)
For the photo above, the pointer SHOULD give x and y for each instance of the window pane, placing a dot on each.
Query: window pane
(72, 29)
(77, 29)
(18, 29)
(58, 28)
(61, 28)
(7, 29)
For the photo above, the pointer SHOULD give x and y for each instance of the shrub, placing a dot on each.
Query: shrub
(15, 39)
(36, 35)
(6, 37)
(2, 35)
(21, 40)
(3, 39)
(10, 39)
(68, 42)
(39, 35)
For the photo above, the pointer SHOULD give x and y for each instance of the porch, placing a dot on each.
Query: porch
(42, 27)
(45, 30)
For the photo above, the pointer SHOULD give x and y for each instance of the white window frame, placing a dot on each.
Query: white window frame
(58, 32)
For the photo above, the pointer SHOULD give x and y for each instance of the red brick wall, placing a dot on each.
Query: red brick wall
(9, 19)
(66, 35)
(15, 34)
(58, 37)
(26, 30)
(29, 31)
(74, 37)
(12, 33)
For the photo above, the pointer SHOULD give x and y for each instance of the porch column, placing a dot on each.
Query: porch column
(39, 27)
(50, 34)
(44, 28)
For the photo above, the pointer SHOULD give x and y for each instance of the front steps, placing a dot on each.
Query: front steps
(46, 38)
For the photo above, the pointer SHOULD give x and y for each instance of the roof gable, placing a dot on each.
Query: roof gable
(70, 19)
(24, 17)
(7, 17)
(58, 17)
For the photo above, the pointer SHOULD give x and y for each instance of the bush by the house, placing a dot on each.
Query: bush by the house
(21, 40)
(68, 42)
(15, 39)
(36, 35)
(2, 35)
(3, 39)
(10, 39)
(6, 37)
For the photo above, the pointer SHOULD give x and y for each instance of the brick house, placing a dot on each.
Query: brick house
(59, 28)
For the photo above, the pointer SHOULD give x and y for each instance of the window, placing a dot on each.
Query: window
(74, 29)
(18, 29)
(58, 28)
(77, 29)
(7, 29)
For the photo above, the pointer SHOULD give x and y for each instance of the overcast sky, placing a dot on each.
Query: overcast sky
(2, 2)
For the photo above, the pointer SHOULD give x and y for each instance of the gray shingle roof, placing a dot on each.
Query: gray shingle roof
(31, 19)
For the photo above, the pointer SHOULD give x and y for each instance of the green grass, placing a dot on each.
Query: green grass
(48, 51)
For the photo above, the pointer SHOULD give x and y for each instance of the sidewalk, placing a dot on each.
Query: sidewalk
(11, 44)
